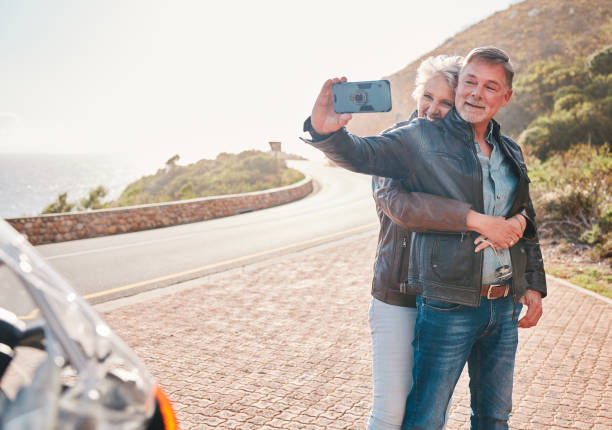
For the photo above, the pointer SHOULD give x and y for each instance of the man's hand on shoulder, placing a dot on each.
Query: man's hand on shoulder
(324, 119)
(533, 300)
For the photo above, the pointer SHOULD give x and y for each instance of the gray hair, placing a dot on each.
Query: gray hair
(491, 54)
(443, 65)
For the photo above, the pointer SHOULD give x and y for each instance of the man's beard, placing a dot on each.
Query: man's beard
(472, 115)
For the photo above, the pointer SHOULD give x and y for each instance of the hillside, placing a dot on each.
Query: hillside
(228, 174)
(529, 31)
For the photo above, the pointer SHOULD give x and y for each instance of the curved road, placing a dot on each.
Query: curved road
(112, 266)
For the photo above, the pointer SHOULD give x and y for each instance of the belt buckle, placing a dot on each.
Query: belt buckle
(497, 285)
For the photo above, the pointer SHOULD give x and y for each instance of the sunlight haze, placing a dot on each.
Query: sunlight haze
(196, 78)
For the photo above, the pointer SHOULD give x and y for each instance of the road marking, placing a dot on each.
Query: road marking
(226, 262)
(190, 235)
(112, 248)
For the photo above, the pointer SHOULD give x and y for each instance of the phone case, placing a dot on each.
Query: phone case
(361, 97)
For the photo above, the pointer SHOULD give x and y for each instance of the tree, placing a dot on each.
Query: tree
(93, 200)
(535, 92)
(59, 206)
(577, 111)
(171, 162)
(600, 63)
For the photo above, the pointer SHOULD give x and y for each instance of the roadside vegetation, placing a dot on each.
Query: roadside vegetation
(567, 140)
(93, 201)
(228, 174)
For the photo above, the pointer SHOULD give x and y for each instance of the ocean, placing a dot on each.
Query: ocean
(29, 182)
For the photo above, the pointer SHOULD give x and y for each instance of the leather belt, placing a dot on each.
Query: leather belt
(494, 291)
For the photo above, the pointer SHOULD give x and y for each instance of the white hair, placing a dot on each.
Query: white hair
(444, 65)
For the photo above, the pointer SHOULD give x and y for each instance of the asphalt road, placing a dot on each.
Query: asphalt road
(108, 267)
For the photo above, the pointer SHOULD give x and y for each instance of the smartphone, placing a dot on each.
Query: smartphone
(359, 97)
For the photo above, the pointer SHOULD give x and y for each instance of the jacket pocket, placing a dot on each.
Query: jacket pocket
(440, 306)
(452, 258)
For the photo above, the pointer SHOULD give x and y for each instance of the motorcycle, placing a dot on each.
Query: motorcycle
(61, 366)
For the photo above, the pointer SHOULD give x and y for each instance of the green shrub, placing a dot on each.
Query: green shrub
(186, 191)
(569, 101)
(61, 205)
(600, 63)
(573, 195)
(92, 201)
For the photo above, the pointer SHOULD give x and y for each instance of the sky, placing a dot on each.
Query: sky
(195, 78)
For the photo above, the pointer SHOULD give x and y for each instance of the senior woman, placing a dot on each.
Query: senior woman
(392, 313)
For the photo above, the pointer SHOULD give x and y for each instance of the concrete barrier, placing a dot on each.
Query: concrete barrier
(80, 225)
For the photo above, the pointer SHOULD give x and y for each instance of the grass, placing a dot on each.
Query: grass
(586, 276)
(575, 264)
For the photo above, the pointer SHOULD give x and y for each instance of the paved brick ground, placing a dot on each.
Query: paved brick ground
(285, 344)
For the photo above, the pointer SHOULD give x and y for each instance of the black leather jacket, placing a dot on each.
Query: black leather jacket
(400, 213)
(439, 158)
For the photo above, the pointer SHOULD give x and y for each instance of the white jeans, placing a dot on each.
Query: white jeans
(392, 329)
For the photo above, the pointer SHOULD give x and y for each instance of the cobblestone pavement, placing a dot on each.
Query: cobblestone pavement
(285, 344)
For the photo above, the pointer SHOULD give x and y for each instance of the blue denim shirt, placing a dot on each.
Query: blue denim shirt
(499, 182)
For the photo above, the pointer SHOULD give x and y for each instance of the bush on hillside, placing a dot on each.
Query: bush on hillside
(92, 201)
(600, 63)
(575, 105)
(573, 195)
(61, 205)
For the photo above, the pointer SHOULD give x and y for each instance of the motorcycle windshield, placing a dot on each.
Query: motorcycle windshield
(82, 375)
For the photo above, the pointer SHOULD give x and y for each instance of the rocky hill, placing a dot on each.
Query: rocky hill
(529, 31)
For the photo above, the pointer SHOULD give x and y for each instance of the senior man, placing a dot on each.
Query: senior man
(468, 301)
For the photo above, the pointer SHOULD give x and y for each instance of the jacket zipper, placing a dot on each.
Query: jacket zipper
(403, 287)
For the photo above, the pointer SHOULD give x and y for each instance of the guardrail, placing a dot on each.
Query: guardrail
(80, 225)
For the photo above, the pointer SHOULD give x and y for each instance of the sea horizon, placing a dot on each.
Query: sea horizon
(31, 181)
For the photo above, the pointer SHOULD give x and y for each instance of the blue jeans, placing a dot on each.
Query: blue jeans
(448, 335)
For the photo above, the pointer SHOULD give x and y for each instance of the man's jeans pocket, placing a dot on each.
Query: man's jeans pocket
(440, 305)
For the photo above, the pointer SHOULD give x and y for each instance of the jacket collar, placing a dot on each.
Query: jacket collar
(457, 124)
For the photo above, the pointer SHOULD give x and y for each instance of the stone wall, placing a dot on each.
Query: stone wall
(80, 225)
